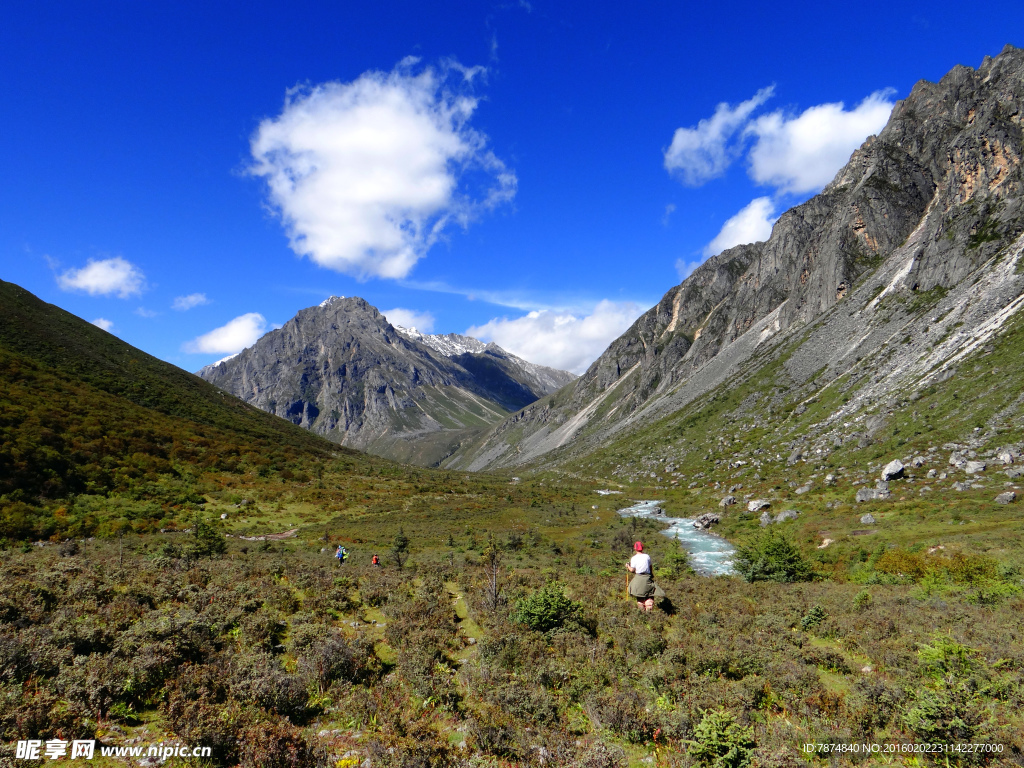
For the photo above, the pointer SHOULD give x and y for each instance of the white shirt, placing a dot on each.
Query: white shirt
(641, 563)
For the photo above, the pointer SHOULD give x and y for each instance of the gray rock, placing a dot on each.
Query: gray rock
(728, 501)
(705, 521)
(803, 489)
(789, 514)
(1006, 498)
(830, 479)
(766, 518)
(918, 461)
(882, 485)
(973, 467)
(1014, 472)
(931, 474)
(871, 494)
(892, 470)
(1006, 456)
(867, 519)
(756, 505)
(795, 456)
(958, 486)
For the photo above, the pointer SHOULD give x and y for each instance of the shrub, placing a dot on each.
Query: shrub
(548, 609)
(813, 618)
(676, 564)
(720, 742)
(771, 556)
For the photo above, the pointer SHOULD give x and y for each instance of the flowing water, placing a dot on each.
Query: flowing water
(710, 555)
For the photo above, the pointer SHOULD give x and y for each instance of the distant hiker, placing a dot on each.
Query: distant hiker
(376, 561)
(341, 554)
(642, 586)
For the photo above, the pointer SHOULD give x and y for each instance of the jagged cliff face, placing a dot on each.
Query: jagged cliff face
(342, 371)
(926, 203)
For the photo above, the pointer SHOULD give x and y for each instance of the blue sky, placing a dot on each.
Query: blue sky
(191, 175)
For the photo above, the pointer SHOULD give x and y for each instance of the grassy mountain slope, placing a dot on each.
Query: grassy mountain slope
(83, 412)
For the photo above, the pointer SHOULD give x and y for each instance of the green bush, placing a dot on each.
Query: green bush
(720, 742)
(548, 609)
(771, 556)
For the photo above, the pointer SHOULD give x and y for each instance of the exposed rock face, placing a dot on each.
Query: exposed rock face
(341, 370)
(917, 210)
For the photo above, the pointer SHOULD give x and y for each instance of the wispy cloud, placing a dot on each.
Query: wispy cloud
(185, 303)
(367, 175)
(147, 313)
(230, 338)
(704, 151)
(560, 339)
(104, 277)
(666, 217)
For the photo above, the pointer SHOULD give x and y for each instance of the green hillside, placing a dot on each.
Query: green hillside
(81, 412)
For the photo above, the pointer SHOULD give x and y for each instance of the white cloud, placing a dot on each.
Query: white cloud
(561, 340)
(685, 268)
(803, 153)
(104, 277)
(669, 210)
(102, 322)
(704, 151)
(183, 303)
(751, 225)
(147, 313)
(366, 175)
(410, 318)
(240, 333)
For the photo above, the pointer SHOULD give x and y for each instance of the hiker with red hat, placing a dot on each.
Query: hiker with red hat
(642, 586)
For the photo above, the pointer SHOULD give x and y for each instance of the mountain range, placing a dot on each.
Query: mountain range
(877, 288)
(343, 371)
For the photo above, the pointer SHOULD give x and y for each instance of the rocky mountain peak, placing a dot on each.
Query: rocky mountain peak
(916, 212)
(342, 370)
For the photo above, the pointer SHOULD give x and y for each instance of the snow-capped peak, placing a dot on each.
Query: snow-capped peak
(330, 300)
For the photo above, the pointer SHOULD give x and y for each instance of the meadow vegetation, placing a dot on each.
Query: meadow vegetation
(167, 571)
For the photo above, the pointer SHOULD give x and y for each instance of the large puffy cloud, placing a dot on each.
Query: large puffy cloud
(366, 175)
(233, 337)
(103, 277)
(410, 318)
(561, 339)
(102, 322)
(752, 224)
(704, 151)
(803, 153)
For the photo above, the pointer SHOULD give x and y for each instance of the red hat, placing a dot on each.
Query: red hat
(638, 547)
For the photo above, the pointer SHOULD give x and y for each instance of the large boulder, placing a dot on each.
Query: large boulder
(892, 470)
(705, 521)
(756, 505)
(789, 514)
(974, 467)
(1006, 498)
(728, 501)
